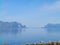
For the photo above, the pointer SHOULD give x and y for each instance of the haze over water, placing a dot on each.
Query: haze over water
(30, 13)
(29, 35)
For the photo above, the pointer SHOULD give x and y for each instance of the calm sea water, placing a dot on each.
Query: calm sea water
(29, 35)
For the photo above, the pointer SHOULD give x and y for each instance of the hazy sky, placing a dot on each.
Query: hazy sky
(30, 12)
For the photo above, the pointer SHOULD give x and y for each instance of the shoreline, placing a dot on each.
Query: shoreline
(41, 43)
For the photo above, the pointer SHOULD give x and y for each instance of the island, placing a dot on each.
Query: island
(52, 27)
(10, 26)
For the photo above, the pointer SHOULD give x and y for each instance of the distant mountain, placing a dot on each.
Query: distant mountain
(11, 26)
(52, 27)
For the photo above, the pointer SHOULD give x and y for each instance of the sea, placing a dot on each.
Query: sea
(29, 36)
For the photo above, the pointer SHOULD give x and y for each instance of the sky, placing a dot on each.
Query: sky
(32, 13)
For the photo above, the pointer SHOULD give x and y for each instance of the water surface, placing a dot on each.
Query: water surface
(29, 35)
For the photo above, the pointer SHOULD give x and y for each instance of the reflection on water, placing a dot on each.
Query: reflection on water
(11, 31)
(53, 29)
(29, 35)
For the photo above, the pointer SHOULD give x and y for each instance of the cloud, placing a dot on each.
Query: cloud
(50, 8)
(49, 13)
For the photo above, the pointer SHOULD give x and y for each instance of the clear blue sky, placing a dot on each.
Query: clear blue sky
(30, 12)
